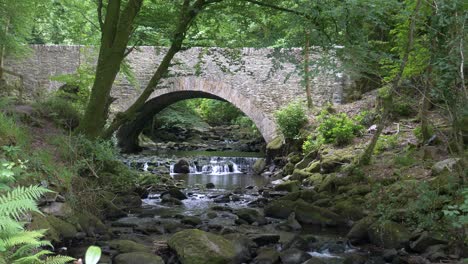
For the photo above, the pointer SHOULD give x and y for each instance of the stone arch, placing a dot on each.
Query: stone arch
(189, 88)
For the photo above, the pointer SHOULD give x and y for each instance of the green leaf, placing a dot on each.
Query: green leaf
(93, 254)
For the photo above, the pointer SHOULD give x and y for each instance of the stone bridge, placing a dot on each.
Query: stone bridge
(257, 81)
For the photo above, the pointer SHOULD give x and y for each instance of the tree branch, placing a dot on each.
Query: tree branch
(99, 13)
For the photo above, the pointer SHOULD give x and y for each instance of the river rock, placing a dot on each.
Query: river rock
(182, 166)
(209, 185)
(137, 257)
(267, 256)
(355, 259)
(294, 256)
(305, 212)
(359, 232)
(191, 220)
(224, 198)
(175, 193)
(289, 186)
(127, 246)
(306, 160)
(259, 166)
(426, 240)
(388, 235)
(194, 246)
(247, 214)
(264, 239)
(57, 209)
(170, 200)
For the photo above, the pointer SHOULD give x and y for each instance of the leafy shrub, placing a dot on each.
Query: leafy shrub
(457, 214)
(366, 118)
(61, 111)
(291, 119)
(338, 129)
(312, 143)
(402, 108)
(18, 245)
(386, 142)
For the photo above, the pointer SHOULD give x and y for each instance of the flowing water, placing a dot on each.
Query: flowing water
(232, 175)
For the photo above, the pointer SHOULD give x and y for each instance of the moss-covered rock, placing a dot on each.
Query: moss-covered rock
(294, 157)
(57, 229)
(247, 214)
(328, 184)
(308, 195)
(138, 257)
(300, 175)
(306, 160)
(259, 166)
(127, 246)
(194, 246)
(305, 212)
(333, 159)
(359, 233)
(314, 179)
(288, 169)
(313, 167)
(289, 186)
(88, 223)
(388, 234)
(349, 209)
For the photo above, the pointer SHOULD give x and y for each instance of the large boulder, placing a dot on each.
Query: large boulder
(289, 186)
(300, 175)
(333, 159)
(182, 166)
(259, 166)
(138, 257)
(389, 235)
(359, 232)
(267, 256)
(194, 246)
(247, 214)
(175, 193)
(305, 212)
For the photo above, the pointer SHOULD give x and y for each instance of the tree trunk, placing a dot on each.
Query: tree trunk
(2, 50)
(187, 15)
(306, 69)
(367, 155)
(116, 31)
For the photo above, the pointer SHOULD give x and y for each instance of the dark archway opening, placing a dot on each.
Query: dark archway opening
(188, 121)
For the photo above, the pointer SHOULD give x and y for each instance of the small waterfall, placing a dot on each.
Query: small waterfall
(219, 165)
(145, 166)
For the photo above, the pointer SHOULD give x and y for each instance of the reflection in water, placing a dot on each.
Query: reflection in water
(223, 181)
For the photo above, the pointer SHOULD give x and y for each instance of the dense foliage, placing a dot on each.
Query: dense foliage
(291, 119)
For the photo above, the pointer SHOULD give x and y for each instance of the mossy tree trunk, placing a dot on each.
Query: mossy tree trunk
(116, 28)
(387, 98)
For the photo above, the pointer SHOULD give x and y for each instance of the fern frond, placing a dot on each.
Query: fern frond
(25, 237)
(16, 208)
(36, 258)
(58, 260)
(21, 192)
(26, 250)
(8, 225)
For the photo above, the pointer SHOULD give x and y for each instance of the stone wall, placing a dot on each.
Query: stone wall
(257, 81)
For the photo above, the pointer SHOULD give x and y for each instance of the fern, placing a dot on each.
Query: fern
(17, 245)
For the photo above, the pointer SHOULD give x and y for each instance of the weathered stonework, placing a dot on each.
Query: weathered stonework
(257, 81)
